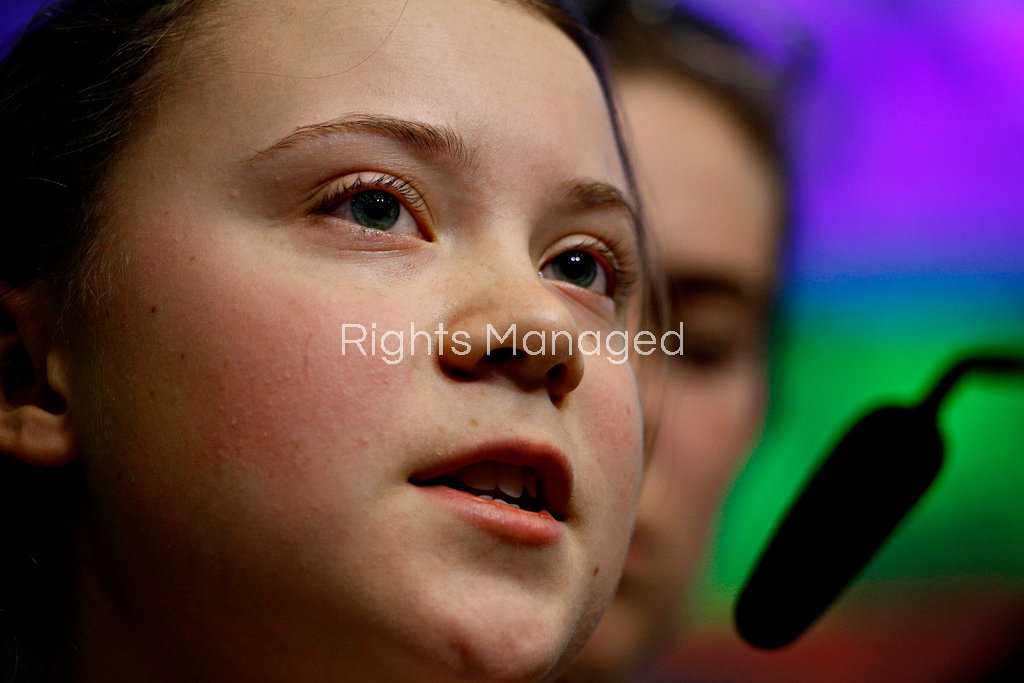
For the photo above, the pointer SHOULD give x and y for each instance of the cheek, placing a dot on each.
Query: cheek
(707, 427)
(226, 386)
(614, 429)
(709, 423)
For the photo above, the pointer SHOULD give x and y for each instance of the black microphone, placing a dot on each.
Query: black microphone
(863, 489)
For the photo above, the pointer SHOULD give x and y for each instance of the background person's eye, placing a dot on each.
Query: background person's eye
(708, 353)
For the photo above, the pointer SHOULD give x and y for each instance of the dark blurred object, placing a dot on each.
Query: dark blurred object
(868, 484)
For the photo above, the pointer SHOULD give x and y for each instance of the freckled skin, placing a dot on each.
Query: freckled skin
(250, 511)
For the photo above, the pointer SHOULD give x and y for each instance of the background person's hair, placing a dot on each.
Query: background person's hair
(682, 44)
(668, 38)
(75, 86)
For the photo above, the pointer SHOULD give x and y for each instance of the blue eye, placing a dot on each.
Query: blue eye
(375, 209)
(380, 204)
(578, 267)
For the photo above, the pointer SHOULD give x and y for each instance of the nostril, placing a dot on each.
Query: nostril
(460, 374)
(498, 356)
(542, 360)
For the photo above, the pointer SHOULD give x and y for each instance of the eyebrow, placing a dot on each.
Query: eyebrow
(438, 142)
(585, 195)
(431, 141)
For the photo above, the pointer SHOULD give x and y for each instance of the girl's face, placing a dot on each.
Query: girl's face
(267, 498)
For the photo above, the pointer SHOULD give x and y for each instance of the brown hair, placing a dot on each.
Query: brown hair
(74, 86)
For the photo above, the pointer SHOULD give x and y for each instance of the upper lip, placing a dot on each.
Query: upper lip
(554, 473)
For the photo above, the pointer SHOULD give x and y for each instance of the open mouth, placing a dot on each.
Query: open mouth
(519, 486)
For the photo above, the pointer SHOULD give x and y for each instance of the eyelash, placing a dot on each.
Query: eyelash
(400, 188)
(619, 260)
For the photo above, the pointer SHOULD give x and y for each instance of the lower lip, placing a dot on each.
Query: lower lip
(509, 523)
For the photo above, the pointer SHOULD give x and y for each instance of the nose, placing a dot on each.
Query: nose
(519, 328)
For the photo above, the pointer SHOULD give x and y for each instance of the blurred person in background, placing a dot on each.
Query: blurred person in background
(701, 110)
(902, 149)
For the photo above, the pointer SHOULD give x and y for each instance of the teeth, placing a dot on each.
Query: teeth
(481, 476)
(530, 483)
(500, 481)
(510, 480)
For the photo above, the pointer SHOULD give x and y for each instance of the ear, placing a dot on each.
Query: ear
(35, 425)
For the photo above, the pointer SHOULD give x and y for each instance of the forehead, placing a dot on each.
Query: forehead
(495, 71)
(712, 196)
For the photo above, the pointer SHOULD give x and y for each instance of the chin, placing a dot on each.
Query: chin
(507, 639)
(516, 649)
